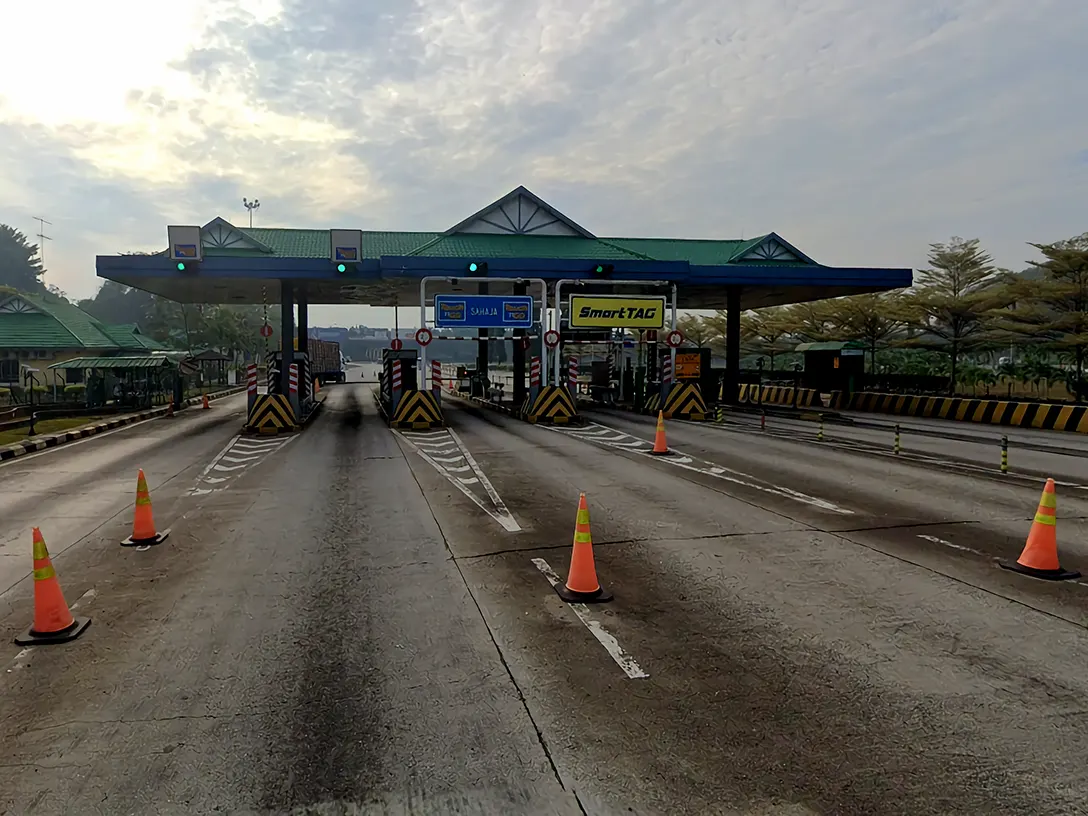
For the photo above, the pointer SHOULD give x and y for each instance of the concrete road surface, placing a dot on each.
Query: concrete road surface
(362, 617)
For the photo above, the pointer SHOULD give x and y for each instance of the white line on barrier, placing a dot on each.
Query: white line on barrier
(611, 645)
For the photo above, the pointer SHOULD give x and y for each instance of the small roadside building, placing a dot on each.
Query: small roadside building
(38, 330)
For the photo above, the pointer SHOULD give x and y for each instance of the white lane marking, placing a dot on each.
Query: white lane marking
(502, 516)
(686, 462)
(249, 452)
(612, 646)
(944, 543)
(227, 468)
(449, 460)
(500, 505)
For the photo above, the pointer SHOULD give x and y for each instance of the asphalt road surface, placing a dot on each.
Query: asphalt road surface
(361, 618)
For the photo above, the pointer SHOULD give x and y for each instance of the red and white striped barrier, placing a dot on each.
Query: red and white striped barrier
(395, 380)
(572, 373)
(666, 372)
(251, 379)
(292, 378)
(534, 373)
(436, 376)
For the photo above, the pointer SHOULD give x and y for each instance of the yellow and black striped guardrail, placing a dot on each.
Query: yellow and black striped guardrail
(685, 401)
(555, 405)
(779, 395)
(1011, 413)
(271, 413)
(417, 411)
(652, 404)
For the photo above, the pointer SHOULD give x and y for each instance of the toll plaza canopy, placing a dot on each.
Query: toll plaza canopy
(518, 236)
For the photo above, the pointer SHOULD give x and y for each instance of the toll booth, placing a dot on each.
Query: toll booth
(833, 366)
(402, 402)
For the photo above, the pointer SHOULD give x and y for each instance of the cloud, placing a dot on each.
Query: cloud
(861, 131)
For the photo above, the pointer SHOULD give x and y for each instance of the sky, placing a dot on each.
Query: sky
(860, 131)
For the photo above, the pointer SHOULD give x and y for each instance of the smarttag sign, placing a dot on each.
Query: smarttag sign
(616, 312)
(483, 311)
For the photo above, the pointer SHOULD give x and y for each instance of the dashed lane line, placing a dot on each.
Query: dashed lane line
(445, 452)
(612, 646)
(598, 434)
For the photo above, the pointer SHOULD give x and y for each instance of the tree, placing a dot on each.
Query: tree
(1052, 310)
(871, 318)
(697, 330)
(766, 331)
(953, 299)
(20, 266)
(810, 322)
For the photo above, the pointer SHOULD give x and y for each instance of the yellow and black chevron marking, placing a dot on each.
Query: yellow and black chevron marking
(271, 413)
(418, 410)
(779, 395)
(653, 403)
(965, 409)
(685, 401)
(553, 404)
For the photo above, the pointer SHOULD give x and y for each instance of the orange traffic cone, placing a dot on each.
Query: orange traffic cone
(1040, 556)
(206, 403)
(170, 407)
(582, 585)
(144, 533)
(660, 446)
(317, 386)
(53, 621)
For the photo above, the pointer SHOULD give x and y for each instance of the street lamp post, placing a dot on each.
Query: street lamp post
(255, 204)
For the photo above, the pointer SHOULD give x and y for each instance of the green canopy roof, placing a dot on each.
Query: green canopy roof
(150, 361)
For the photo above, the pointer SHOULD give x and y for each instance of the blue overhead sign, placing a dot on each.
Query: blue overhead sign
(483, 311)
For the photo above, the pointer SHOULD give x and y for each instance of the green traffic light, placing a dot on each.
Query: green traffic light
(181, 266)
(472, 267)
(600, 268)
(341, 268)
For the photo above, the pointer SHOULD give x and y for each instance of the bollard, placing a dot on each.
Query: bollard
(820, 432)
(762, 420)
(1004, 454)
(897, 447)
(719, 415)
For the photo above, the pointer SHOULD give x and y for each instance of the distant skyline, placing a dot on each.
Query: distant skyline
(859, 131)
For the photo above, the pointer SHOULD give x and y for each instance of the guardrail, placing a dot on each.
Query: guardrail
(999, 443)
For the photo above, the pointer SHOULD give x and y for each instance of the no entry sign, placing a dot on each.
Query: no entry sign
(397, 344)
(266, 330)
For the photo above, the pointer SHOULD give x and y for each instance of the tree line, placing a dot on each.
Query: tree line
(964, 318)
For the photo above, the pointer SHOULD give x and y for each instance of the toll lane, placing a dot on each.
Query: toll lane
(782, 663)
(71, 490)
(303, 639)
(944, 518)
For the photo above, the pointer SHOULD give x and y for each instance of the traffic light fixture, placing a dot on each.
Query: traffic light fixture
(603, 270)
(186, 247)
(477, 267)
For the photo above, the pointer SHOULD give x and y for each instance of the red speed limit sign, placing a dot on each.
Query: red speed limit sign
(424, 337)
(551, 338)
(675, 338)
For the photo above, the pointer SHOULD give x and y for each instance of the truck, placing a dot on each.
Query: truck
(326, 361)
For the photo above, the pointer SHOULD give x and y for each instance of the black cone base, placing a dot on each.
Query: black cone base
(146, 542)
(1047, 575)
(602, 595)
(32, 638)
(660, 453)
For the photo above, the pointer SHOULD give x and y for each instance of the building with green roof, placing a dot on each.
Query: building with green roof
(38, 330)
